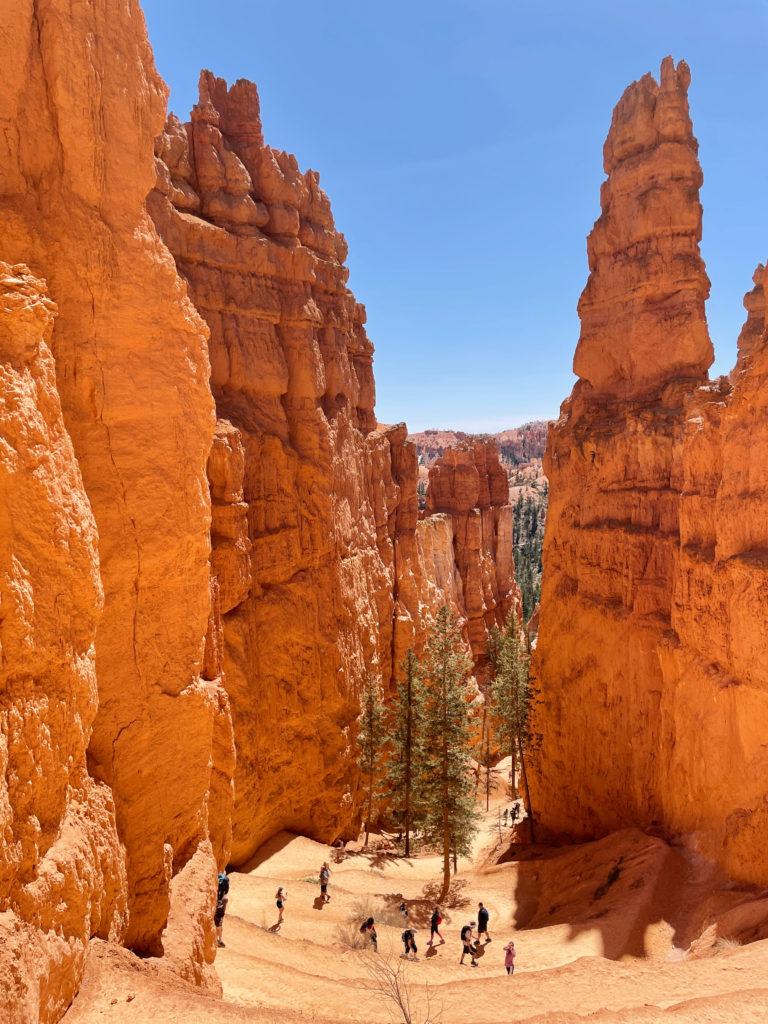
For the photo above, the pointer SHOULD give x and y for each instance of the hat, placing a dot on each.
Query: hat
(473, 923)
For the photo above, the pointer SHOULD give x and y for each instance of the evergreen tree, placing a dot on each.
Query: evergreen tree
(405, 769)
(448, 793)
(513, 695)
(370, 739)
(494, 646)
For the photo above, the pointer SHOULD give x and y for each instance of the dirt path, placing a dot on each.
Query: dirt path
(599, 929)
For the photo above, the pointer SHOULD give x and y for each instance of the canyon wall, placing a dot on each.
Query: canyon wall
(322, 574)
(653, 695)
(208, 543)
(107, 721)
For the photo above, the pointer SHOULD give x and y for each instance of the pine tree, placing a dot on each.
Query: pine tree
(370, 739)
(449, 814)
(494, 646)
(405, 770)
(513, 695)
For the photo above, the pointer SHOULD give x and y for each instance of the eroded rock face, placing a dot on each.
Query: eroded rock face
(301, 499)
(62, 877)
(470, 486)
(82, 104)
(642, 312)
(653, 605)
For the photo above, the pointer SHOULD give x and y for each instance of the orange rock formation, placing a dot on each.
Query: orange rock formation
(653, 613)
(202, 559)
(314, 510)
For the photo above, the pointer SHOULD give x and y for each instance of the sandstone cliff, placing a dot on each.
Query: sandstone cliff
(322, 579)
(654, 562)
(82, 103)
(204, 558)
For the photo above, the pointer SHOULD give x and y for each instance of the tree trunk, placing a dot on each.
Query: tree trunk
(528, 808)
(408, 741)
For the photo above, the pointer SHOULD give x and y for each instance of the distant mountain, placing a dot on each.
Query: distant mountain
(518, 445)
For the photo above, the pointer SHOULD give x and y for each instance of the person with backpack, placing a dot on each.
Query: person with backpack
(280, 898)
(325, 874)
(509, 957)
(222, 898)
(467, 947)
(409, 941)
(403, 910)
(434, 927)
(482, 923)
(368, 927)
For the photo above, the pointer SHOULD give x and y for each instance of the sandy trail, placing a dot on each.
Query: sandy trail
(628, 897)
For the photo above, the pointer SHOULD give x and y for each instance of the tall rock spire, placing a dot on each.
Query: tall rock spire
(642, 311)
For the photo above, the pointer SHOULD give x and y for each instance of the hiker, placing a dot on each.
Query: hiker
(409, 941)
(434, 927)
(504, 816)
(325, 874)
(467, 947)
(509, 957)
(370, 928)
(482, 924)
(514, 813)
(403, 910)
(280, 898)
(222, 898)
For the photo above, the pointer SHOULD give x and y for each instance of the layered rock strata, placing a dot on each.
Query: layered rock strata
(322, 578)
(653, 610)
(82, 104)
(469, 486)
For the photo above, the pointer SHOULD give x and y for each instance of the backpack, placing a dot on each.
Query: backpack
(465, 932)
(223, 887)
(324, 874)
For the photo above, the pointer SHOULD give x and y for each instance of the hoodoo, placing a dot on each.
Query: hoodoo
(654, 697)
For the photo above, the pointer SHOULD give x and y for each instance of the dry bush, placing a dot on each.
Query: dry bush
(364, 908)
(724, 943)
(350, 935)
(393, 983)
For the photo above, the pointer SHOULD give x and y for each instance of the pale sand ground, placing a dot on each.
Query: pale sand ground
(628, 897)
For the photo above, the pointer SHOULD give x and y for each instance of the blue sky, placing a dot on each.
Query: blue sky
(461, 146)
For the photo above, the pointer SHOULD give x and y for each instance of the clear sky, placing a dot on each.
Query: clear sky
(460, 142)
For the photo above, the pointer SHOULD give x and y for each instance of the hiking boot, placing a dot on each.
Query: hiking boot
(220, 944)
(473, 964)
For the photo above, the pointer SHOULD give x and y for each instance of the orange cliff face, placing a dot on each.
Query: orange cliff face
(82, 104)
(653, 698)
(324, 575)
(469, 489)
(302, 485)
(161, 542)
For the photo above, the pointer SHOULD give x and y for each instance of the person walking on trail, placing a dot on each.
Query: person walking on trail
(222, 898)
(467, 947)
(409, 941)
(369, 928)
(514, 813)
(504, 816)
(325, 874)
(403, 910)
(434, 927)
(509, 957)
(280, 897)
(482, 923)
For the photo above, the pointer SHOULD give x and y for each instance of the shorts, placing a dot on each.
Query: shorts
(323, 887)
(468, 948)
(279, 904)
(218, 917)
(511, 969)
(482, 931)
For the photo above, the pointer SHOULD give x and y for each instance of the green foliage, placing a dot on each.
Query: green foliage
(405, 734)
(370, 740)
(448, 793)
(529, 517)
(513, 696)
